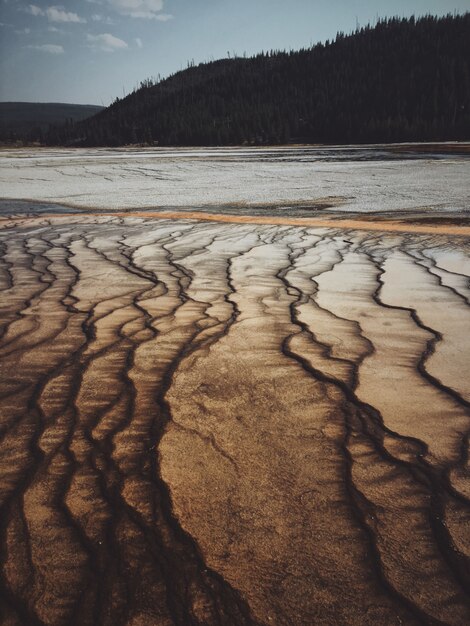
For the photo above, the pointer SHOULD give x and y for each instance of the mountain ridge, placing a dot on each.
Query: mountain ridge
(405, 79)
(30, 120)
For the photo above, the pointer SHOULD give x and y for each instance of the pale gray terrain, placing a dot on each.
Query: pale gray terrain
(301, 181)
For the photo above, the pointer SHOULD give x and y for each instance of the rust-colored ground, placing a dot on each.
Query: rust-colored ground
(233, 420)
(418, 226)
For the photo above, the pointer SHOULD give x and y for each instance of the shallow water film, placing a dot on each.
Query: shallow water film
(209, 422)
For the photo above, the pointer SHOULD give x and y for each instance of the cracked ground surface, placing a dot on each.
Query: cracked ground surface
(217, 423)
(303, 181)
(208, 423)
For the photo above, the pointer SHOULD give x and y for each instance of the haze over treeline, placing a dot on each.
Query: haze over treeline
(401, 80)
(31, 119)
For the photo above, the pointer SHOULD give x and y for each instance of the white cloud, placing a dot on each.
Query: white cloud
(107, 42)
(54, 14)
(49, 47)
(23, 31)
(139, 43)
(146, 9)
(58, 14)
(53, 29)
(101, 18)
(34, 10)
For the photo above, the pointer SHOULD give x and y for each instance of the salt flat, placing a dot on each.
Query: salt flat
(230, 422)
(359, 180)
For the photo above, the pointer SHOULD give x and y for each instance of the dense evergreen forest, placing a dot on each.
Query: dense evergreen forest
(401, 80)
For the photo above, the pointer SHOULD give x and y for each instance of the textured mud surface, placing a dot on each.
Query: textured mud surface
(213, 423)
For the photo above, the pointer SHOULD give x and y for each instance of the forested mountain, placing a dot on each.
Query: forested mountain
(401, 80)
(30, 120)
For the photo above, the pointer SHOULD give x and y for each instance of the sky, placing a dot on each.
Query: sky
(92, 51)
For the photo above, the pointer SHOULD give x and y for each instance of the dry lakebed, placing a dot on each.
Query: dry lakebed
(234, 386)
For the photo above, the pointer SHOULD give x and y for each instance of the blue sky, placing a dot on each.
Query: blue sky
(90, 51)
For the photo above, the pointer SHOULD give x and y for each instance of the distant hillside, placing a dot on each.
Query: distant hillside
(402, 80)
(29, 120)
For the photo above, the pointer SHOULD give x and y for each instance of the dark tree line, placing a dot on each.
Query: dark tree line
(29, 121)
(401, 80)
